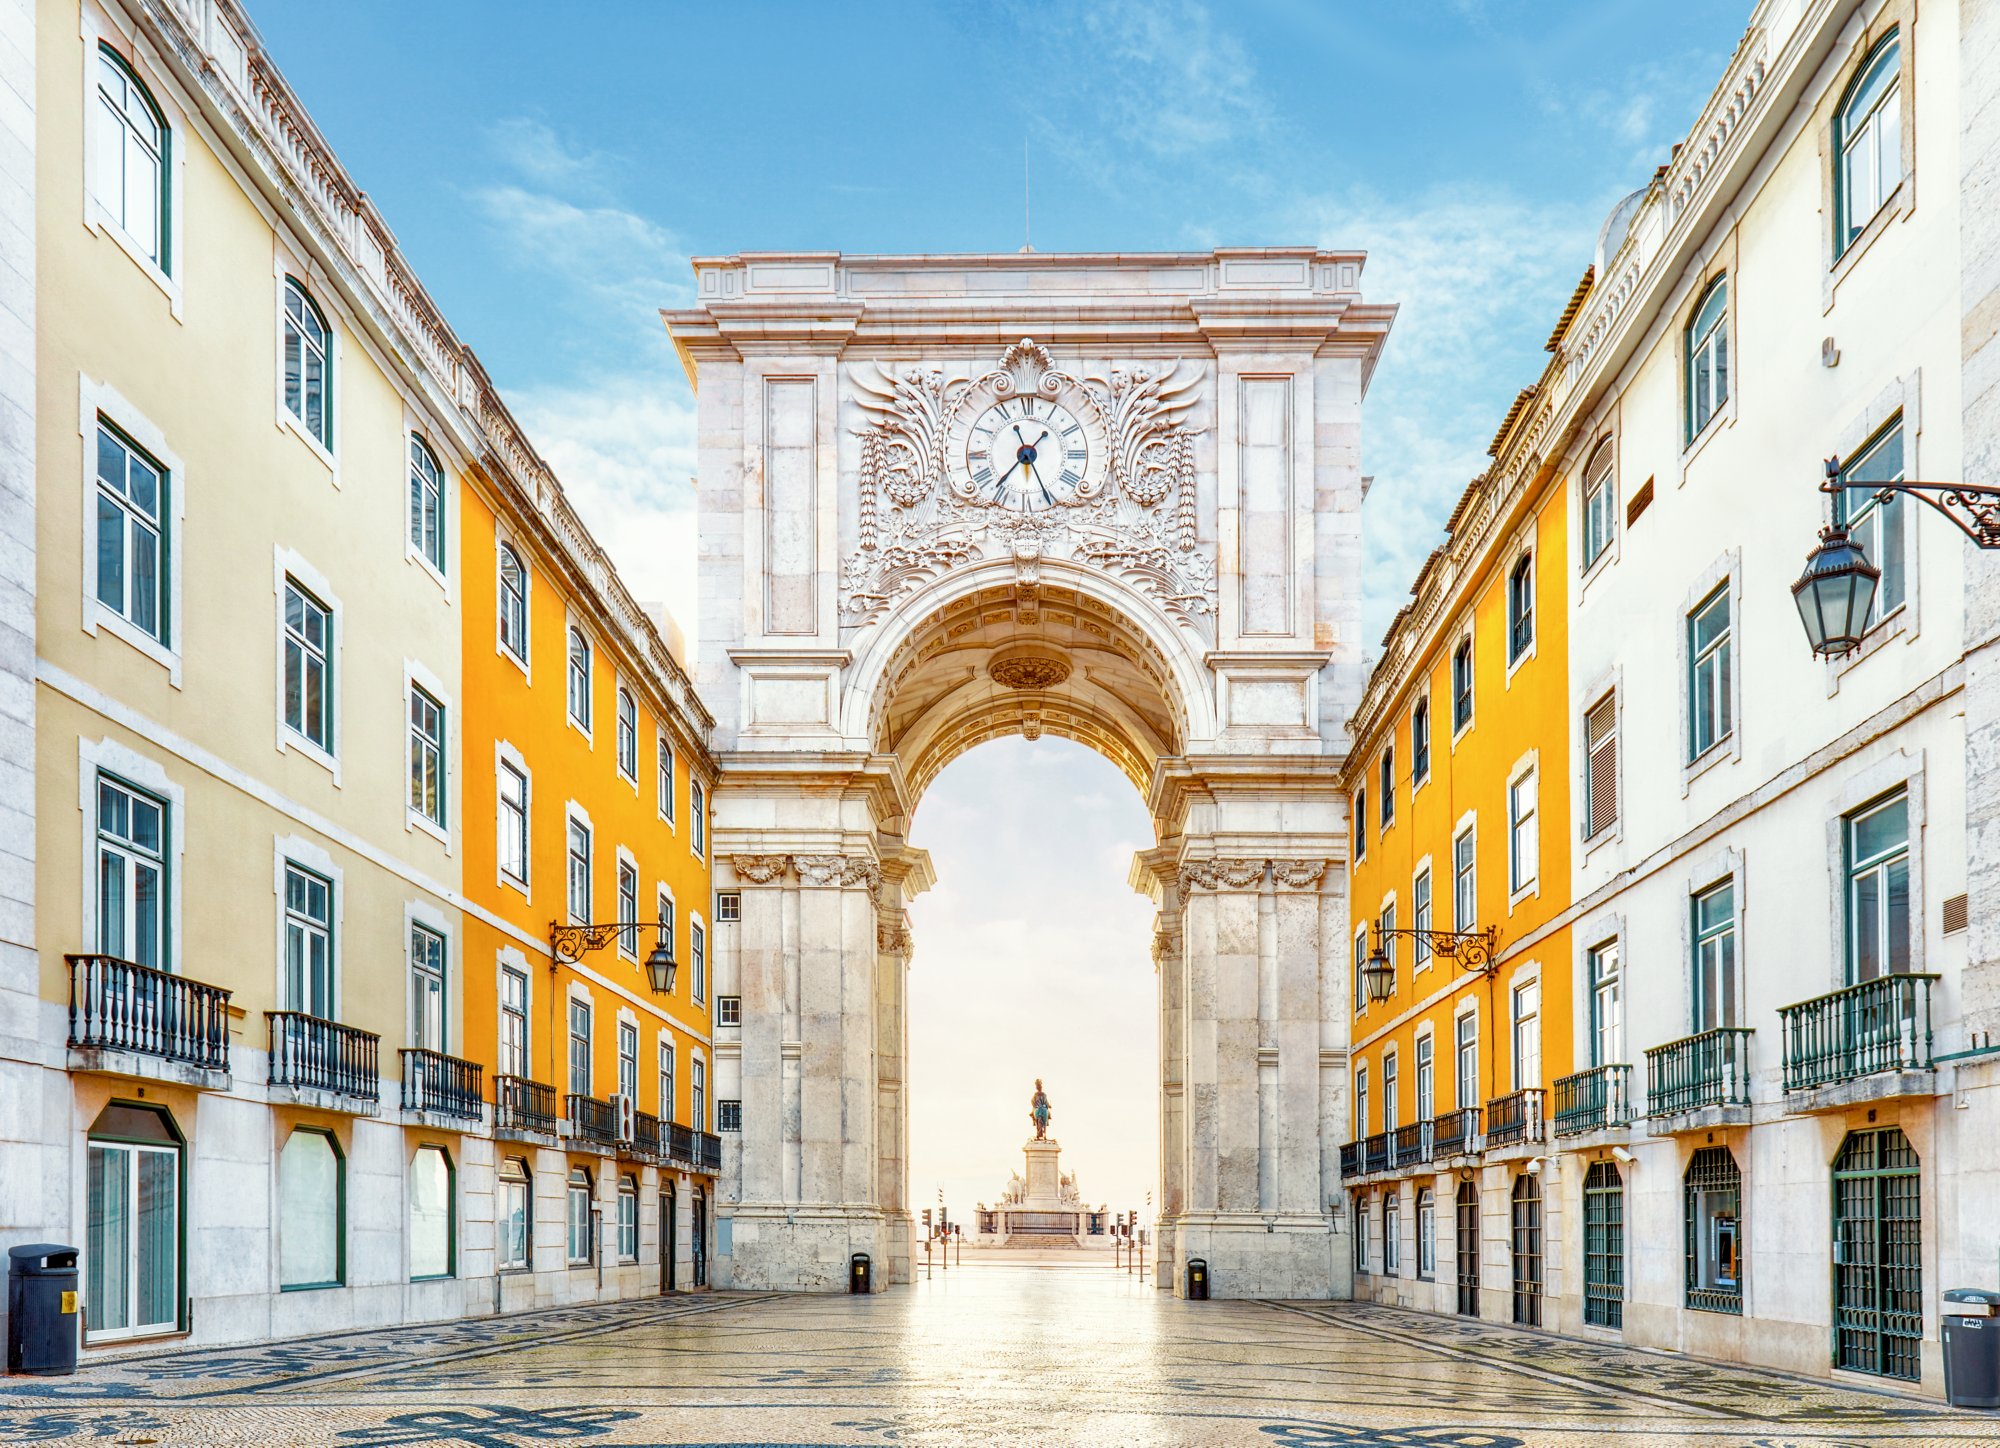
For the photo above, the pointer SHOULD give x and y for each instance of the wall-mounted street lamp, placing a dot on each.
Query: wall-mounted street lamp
(571, 942)
(1837, 589)
(1470, 950)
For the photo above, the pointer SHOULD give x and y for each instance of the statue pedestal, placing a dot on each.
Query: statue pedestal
(1043, 1176)
(1042, 1216)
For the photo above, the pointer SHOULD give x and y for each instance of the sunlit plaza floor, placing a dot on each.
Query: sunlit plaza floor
(994, 1353)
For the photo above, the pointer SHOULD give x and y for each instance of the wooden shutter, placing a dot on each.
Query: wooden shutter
(1601, 765)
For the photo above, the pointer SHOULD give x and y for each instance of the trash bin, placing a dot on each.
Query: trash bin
(1971, 1332)
(41, 1309)
(860, 1276)
(1197, 1279)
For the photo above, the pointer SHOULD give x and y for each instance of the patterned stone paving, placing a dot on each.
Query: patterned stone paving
(987, 1354)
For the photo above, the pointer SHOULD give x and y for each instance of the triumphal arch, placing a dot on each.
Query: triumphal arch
(1115, 498)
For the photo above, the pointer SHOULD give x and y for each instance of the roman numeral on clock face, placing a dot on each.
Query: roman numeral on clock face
(1071, 477)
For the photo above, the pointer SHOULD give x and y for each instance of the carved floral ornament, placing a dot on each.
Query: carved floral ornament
(1243, 874)
(819, 870)
(927, 505)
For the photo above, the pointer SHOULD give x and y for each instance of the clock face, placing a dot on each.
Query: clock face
(1028, 452)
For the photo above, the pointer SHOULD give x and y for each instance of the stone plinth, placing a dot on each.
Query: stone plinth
(1043, 1177)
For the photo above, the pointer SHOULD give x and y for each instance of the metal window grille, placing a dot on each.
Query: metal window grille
(729, 1116)
(1878, 1322)
(1714, 1231)
(1468, 1250)
(1527, 1250)
(1604, 1246)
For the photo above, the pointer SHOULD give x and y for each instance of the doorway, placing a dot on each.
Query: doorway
(1468, 1249)
(669, 1237)
(699, 1250)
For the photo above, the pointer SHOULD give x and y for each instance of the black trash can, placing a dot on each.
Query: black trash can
(1970, 1321)
(1197, 1279)
(41, 1309)
(860, 1275)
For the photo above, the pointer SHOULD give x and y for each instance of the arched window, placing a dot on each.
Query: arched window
(513, 604)
(1878, 1266)
(308, 379)
(1521, 608)
(1426, 1233)
(628, 1219)
(426, 504)
(517, 1215)
(312, 1210)
(628, 735)
(1392, 1232)
(1868, 142)
(433, 1222)
(1714, 1231)
(578, 1245)
(579, 679)
(1461, 685)
(1600, 504)
(1707, 357)
(133, 147)
(132, 1243)
(1388, 805)
(1420, 742)
(1603, 1246)
(1528, 1250)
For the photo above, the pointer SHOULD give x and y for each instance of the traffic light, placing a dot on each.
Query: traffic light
(927, 1219)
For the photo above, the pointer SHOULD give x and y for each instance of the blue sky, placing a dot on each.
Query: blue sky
(549, 170)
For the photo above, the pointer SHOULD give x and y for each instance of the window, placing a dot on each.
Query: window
(513, 823)
(1878, 1268)
(729, 1010)
(308, 667)
(1391, 1106)
(628, 1220)
(579, 1047)
(1714, 1247)
(513, 1021)
(666, 1081)
(1715, 957)
(628, 735)
(513, 604)
(1600, 504)
(728, 1115)
(1527, 1035)
(728, 907)
(426, 757)
(698, 957)
(1392, 1233)
(628, 1062)
(1707, 358)
(579, 680)
(1466, 1069)
(1426, 1078)
(133, 148)
(1603, 1246)
(666, 780)
(132, 538)
(308, 942)
(131, 874)
(1464, 884)
(312, 1210)
(1524, 837)
(1607, 1006)
(1600, 767)
(132, 1241)
(426, 504)
(1420, 917)
(1360, 1215)
(1709, 683)
(579, 871)
(697, 817)
(698, 1112)
(1385, 925)
(1872, 520)
(1420, 743)
(517, 1215)
(628, 908)
(1868, 142)
(1528, 1250)
(308, 365)
(1361, 823)
(1361, 1102)
(1461, 686)
(1521, 608)
(432, 1228)
(1427, 1248)
(665, 933)
(1388, 786)
(577, 1248)
(426, 988)
(1878, 889)
(1360, 960)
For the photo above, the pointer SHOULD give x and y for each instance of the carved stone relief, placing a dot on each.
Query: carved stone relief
(758, 869)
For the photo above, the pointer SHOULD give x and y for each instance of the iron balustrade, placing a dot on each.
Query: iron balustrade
(1456, 1133)
(435, 1082)
(1879, 1025)
(1375, 1152)
(1409, 1145)
(1515, 1117)
(591, 1119)
(120, 1005)
(680, 1143)
(645, 1133)
(523, 1105)
(1709, 1069)
(1350, 1159)
(1594, 1100)
(324, 1055)
(711, 1151)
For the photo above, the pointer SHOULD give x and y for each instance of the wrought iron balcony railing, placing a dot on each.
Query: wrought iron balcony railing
(1350, 1159)
(711, 1151)
(523, 1105)
(1410, 1145)
(1375, 1152)
(592, 1120)
(680, 1143)
(1515, 1117)
(1709, 1069)
(1456, 1133)
(645, 1133)
(324, 1055)
(119, 1005)
(1593, 1100)
(441, 1084)
(1879, 1025)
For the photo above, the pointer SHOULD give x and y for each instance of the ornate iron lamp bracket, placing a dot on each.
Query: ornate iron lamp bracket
(1469, 950)
(1973, 509)
(572, 942)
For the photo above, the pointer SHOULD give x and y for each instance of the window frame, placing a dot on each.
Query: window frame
(135, 1147)
(1524, 1027)
(1386, 807)
(1879, 865)
(1421, 907)
(1465, 1059)
(628, 1060)
(1426, 1234)
(512, 601)
(697, 959)
(1869, 518)
(1886, 52)
(625, 736)
(420, 973)
(1594, 827)
(697, 818)
(101, 408)
(1598, 484)
(327, 929)
(1524, 834)
(1465, 877)
(1464, 685)
(579, 873)
(513, 830)
(1712, 1171)
(577, 1222)
(513, 1046)
(1360, 823)
(134, 520)
(162, 269)
(450, 1212)
(321, 439)
(418, 745)
(1718, 655)
(1601, 982)
(1729, 983)
(665, 762)
(1420, 744)
(130, 848)
(514, 1172)
(433, 552)
(626, 907)
(580, 1040)
(1521, 610)
(579, 670)
(339, 1278)
(296, 736)
(628, 1218)
(1711, 343)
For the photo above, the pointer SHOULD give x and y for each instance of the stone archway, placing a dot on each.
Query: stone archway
(1183, 600)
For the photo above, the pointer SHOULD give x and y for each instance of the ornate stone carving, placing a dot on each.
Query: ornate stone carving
(1027, 667)
(820, 869)
(1298, 874)
(892, 934)
(856, 871)
(1221, 875)
(758, 869)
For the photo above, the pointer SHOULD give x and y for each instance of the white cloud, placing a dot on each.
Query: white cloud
(533, 150)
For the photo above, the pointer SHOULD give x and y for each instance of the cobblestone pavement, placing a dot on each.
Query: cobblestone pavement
(988, 1354)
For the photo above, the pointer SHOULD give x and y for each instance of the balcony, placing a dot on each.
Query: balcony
(1868, 1042)
(1350, 1159)
(1599, 1099)
(316, 1062)
(437, 1085)
(680, 1143)
(1375, 1153)
(127, 1019)
(1410, 1145)
(710, 1158)
(1456, 1133)
(1515, 1119)
(645, 1134)
(591, 1121)
(523, 1109)
(1700, 1082)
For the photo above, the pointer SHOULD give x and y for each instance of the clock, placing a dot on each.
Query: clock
(1030, 452)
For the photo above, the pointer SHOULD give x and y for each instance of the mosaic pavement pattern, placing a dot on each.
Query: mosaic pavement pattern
(987, 1354)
